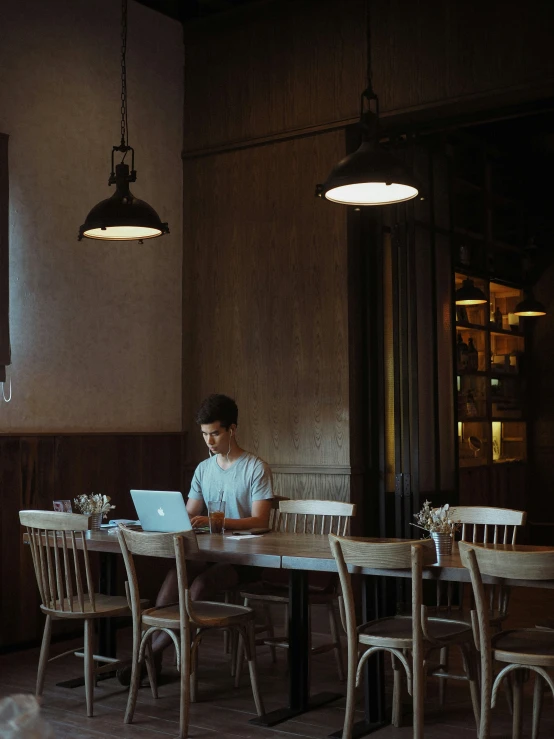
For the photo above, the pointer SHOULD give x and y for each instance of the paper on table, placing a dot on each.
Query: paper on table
(238, 537)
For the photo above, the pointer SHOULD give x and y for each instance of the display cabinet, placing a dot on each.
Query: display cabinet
(490, 377)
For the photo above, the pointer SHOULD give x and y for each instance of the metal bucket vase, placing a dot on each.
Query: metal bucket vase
(443, 543)
(95, 521)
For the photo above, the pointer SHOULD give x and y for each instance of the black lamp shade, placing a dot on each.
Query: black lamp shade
(369, 176)
(470, 294)
(122, 219)
(530, 307)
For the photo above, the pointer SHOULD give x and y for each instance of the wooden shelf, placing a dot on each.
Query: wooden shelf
(504, 332)
(470, 326)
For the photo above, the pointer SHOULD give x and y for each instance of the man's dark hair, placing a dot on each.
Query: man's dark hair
(218, 408)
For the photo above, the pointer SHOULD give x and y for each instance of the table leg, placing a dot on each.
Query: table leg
(374, 670)
(107, 637)
(299, 657)
(107, 642)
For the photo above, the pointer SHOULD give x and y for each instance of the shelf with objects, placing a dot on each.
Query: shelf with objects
(489, 361)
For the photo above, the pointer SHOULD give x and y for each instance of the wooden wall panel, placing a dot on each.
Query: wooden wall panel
(320, 485)
(266, 308)
(279, 67)
(429, 52)
(35, 470)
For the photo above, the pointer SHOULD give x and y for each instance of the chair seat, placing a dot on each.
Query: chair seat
(496, 617)
(397, 631)
(105, 605)
(207, 613)
(525, 647)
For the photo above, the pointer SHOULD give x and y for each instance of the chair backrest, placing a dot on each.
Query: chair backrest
(274, 513)
(155, 544)
(315, 516)
(487, 525)
(55, 539)
(538, 565)
(357, 552)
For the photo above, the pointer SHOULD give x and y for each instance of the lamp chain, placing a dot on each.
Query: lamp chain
(124, 124)
(368, 95)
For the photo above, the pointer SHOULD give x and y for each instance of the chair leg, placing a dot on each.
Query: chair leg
(193, 668)
(186, 682)
(334, 628)
(151, 669)
(537, 705)
(418, 695)
(518, 704)
(135, 678)
(44, 652)
(89, 664)
(468, 659)
(351, 665)
(239, 660)
(250, 648)
(268, 623)
(396, 718)
(444, 654)
(226, 633)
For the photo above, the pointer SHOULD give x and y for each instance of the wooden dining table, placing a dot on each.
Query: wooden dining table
(301, 554)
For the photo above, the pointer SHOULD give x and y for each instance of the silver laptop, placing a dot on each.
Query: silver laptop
(161, 510)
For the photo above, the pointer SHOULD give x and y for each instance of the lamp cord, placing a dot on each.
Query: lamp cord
(124, 122)
(369, 93)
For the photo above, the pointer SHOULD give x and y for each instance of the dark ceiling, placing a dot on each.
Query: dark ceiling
(189, 10)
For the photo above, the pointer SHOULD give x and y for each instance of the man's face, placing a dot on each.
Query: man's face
(217, 437)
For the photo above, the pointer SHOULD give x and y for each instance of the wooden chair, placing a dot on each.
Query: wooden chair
(409, 640)
(191, 619)
(54, 539)
(230, 596)
(304, 517)
(518, 649)
(479, 525)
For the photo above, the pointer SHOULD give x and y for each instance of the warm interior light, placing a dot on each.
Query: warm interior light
(122, 233)
(374, 193)
(471, 301)
(470, 294)
(531, 313)
(529, 307)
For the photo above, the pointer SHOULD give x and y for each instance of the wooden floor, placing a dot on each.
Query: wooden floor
(223, 711)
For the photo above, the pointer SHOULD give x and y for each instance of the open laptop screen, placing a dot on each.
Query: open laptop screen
(161, 510)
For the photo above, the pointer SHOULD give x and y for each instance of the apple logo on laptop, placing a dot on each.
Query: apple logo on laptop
(161, 511)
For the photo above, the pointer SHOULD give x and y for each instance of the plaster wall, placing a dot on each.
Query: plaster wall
(95, 328)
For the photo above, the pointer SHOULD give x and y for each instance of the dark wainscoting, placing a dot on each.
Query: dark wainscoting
(34, 470)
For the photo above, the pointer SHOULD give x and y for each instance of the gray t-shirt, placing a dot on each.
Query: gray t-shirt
(247, 479)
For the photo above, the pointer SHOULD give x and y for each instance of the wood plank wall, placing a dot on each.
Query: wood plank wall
(35, 470)
(265, 262)
(267, 307)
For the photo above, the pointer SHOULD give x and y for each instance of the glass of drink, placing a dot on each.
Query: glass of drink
(216, 516)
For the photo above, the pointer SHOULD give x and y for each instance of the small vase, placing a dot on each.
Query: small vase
(443, 543)
(95, 521)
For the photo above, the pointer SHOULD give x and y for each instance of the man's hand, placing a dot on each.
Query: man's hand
(199, 521)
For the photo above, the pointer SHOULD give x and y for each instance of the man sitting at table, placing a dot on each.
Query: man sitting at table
(244, 482)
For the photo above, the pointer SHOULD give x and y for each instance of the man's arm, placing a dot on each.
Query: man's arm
(194, 509)
(259, 518)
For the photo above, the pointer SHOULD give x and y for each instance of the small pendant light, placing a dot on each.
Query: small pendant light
(529, 307)
(371, 175)
(469, 294)
(123, 217)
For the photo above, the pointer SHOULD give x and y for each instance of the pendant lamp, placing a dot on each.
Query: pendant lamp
(529, 307)
(371, 175)
(123, 217)
(469, 294)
